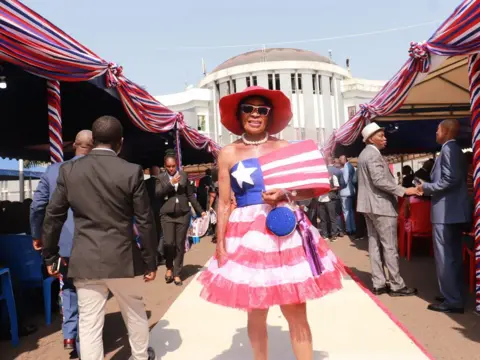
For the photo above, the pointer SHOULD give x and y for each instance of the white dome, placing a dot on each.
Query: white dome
(274, 54)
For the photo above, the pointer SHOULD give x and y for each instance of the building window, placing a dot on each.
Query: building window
(277, 81)
(294, 83)
(299, 82)
(201, 123)
(351, 111)
(249, 81)
(229, 89)
(217, 86)
(314, 83)
(254, 79)
(270, 81)
(234, 83)
(331, 85)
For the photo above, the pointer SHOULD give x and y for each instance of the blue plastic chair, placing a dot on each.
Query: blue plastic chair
(25, 264)
(6, 293)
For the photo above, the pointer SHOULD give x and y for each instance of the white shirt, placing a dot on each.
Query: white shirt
(104, 149)
(171, 177)
(325, 198)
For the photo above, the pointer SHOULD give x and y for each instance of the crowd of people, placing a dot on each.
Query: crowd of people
(85, 210)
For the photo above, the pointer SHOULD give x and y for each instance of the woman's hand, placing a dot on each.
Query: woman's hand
(221, 254)
(175, 179)
(273, 197)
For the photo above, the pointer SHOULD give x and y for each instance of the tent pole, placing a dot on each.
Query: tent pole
(55, 121)
(21, 181)
(178, 147)
(474, 79)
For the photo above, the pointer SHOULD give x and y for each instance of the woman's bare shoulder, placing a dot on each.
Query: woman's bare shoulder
(279, 143)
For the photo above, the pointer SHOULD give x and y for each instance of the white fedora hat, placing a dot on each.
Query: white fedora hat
(369, 130)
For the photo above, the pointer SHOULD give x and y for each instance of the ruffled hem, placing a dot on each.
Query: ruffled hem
(221, 291)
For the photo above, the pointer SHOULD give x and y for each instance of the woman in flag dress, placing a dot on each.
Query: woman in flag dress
(253, 269)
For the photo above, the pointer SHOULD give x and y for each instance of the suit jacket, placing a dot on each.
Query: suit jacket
(105, 193)
(166, 191)
(41, 198)
(377, 188)
(448, 189)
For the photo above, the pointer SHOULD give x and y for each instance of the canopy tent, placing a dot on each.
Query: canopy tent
(441, 79)
(6, 174)
(78, 87)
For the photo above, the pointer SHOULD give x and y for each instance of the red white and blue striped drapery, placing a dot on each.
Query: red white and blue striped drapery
(458, 35)
(33, 43)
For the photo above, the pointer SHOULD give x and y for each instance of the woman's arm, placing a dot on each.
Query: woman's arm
(224, 203)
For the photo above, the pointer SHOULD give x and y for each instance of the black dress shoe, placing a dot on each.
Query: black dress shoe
(406, 291)
(169, 279)
(178, 282)
(151, 354)
(380, 291)
(439, 298)
(444, 308)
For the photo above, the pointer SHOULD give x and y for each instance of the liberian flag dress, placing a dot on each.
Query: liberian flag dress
(263, 269)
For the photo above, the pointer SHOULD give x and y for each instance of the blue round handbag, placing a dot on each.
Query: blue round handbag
(281, 221)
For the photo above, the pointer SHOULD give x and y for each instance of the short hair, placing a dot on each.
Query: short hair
(107, 130)
(170, 153)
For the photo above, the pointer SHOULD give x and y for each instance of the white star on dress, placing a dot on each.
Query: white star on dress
(243, 174)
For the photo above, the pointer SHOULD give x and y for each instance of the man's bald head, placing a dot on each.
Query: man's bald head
(83, 142)
(447, 130)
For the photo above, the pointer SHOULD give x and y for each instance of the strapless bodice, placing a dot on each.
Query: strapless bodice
(247, 182)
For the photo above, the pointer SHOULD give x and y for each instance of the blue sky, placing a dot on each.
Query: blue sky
(148, 37)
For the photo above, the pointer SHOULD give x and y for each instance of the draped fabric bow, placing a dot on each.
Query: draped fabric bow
(367, 111)
(113, 74)
(420, 56)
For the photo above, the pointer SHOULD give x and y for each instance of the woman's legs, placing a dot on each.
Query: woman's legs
(257, 332)
(300, 334)
(169, 239)
(181, 229)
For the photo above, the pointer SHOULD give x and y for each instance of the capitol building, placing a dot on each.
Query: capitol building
(324, 95)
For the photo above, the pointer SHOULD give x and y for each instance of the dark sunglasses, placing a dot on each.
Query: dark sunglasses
(261, 110)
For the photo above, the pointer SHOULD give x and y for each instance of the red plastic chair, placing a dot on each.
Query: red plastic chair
(418, 224)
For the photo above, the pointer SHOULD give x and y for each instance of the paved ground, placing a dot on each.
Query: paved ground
(454, 337)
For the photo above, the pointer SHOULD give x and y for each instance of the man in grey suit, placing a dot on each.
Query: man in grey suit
(377, 192)
(105, 194)
(450, 211)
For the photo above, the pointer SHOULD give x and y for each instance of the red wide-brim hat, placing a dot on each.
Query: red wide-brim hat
(281, 109)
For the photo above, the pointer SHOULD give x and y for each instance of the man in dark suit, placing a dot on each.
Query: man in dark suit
(173, 187)
(105, 194)
(156, 204)
(450, 212)
(48, 182)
